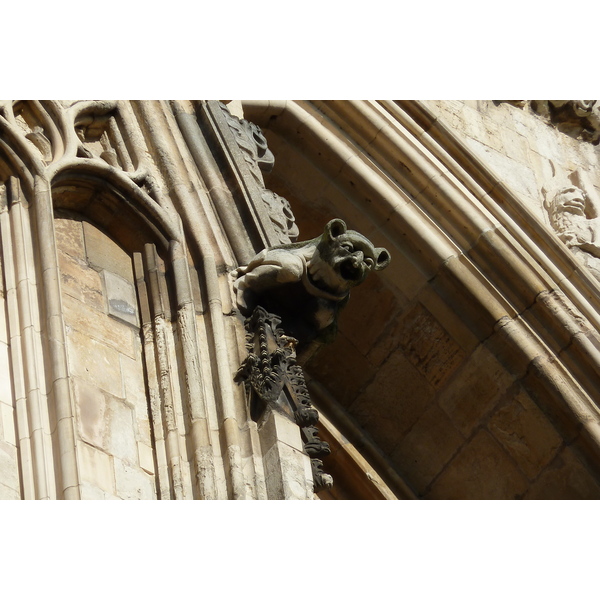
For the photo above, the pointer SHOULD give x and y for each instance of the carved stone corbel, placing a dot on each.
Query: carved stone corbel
(273, 379)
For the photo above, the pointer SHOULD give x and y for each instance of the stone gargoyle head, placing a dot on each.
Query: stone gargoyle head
(307, 283)
(343, 258)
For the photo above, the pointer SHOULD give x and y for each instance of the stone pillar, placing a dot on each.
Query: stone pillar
(287, 468)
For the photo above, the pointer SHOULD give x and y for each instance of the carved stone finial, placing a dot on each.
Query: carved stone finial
(307, 283)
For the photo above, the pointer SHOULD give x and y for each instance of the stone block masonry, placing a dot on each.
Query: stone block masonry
(114, 445)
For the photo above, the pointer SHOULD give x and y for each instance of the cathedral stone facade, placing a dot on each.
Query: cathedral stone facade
(299, 300)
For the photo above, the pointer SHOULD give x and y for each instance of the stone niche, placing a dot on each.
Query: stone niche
(114, 445)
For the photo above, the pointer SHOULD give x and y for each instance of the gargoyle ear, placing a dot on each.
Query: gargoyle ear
(335, 228)
(382, 258)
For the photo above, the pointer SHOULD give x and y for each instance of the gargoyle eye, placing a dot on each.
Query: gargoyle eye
(348, 246)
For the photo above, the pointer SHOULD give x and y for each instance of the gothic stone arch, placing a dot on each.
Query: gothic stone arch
(468, 366)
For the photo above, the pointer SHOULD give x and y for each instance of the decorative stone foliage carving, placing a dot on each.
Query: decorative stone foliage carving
(252, 142)
(258, 159)
(307, 283)
(273, 378)
(281, 215)
(578, 118)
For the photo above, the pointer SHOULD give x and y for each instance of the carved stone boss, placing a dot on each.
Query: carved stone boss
(292, 295)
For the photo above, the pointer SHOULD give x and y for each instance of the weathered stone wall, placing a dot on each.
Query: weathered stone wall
(521, 147)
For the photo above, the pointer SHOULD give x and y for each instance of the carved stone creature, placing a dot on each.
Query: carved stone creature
(307, 283)
(575, 219)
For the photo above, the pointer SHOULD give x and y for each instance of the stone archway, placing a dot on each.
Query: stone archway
(442, 374)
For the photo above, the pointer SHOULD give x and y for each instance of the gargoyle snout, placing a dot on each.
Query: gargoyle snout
(357, 258)
(354, 268)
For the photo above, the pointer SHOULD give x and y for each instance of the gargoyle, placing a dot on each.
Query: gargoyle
(307, 283)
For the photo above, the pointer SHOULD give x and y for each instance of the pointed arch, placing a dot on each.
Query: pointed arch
(82, 181)
(469, 264)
